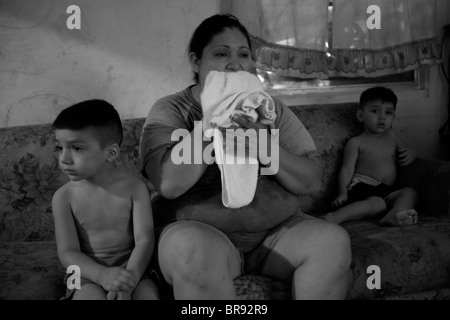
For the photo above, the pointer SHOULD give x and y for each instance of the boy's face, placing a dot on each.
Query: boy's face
(79, 153)
(377, 116)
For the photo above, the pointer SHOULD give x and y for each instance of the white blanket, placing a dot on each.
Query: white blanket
(224, 95)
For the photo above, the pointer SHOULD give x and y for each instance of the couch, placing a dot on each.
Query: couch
(413, 261)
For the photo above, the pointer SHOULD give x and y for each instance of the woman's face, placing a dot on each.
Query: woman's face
(228, 51)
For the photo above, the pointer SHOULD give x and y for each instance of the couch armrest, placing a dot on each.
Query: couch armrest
(431, 179)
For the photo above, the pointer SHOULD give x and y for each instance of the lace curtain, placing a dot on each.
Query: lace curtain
(309, 39)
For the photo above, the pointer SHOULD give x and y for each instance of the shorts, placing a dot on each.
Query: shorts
(362, 191)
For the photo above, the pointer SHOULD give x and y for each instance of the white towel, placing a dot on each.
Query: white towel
(224, 95)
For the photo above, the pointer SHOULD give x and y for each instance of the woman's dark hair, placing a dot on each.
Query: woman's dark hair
(209, 28)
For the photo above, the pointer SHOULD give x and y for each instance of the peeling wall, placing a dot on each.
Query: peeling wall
(127, 52)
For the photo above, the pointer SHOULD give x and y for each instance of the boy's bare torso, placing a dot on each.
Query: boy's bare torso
(377, 157)
(103, 216)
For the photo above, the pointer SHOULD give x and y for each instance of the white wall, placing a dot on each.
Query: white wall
(133, 52)
(127, 52)
(419, 119)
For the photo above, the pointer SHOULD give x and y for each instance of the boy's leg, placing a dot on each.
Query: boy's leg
(145, 290)
(368, 208)
(402, 211)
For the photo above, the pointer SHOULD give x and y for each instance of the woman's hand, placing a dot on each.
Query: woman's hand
(247, 124)
(300, 175)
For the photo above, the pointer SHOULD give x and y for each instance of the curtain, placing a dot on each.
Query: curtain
(309, 39)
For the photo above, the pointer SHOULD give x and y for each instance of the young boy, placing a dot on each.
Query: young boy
(368, 173)
(103, 217)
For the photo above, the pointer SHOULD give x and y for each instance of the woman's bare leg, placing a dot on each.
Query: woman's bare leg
(199, 261)
(316, 255)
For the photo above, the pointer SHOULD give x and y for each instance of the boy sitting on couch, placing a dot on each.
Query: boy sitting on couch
(103, 217)
(368, 174)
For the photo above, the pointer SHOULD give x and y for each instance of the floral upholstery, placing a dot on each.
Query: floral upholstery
(30, 271)
(414, 261)
(411, 259)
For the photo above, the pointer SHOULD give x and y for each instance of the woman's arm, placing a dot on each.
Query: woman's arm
(300, 175)
(170, 178)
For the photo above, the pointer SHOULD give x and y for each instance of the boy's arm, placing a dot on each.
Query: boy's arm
(348, 166)
(406, 155)
(143, 230)
(68, 245)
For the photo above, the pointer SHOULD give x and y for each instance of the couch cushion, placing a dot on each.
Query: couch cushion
(254, 287)
(411, 258)
(30, 175)
(414, 263)
(30, 271)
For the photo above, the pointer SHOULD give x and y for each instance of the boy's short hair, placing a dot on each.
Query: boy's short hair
(377, 93)
(95, 113)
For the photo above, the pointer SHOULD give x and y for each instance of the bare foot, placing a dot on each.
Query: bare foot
(400, 218)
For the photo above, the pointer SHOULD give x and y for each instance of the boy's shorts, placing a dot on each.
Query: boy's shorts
(362, 191)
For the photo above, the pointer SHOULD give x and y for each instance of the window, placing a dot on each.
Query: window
(279, 84)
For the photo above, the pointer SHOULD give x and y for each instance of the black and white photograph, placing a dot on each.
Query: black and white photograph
(221, 156)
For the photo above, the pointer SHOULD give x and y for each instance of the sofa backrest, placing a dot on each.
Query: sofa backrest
(30, 174)
(330, 126)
